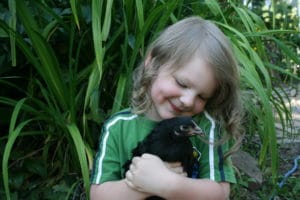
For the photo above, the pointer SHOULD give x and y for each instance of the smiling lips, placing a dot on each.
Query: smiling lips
(175, 108)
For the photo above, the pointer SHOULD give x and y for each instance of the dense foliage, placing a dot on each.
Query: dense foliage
(66, 66)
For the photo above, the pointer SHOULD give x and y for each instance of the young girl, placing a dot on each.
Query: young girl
(189, 70)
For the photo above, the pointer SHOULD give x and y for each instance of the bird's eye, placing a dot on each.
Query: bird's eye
(185, 128)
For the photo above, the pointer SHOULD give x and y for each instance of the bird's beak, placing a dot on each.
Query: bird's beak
(190, 131)
(196, 130)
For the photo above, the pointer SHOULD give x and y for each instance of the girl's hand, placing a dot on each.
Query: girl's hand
(176, 167)
(150, 174)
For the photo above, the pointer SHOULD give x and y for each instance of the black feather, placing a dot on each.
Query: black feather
(169, 140)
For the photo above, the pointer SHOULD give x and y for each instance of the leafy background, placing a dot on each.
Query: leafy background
(66, 66)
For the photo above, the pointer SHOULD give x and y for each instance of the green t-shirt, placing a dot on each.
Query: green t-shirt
(122, 132)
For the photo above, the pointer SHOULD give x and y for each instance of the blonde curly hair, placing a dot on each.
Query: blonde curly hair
(178, 43)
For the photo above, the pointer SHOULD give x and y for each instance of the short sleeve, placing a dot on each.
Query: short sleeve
(107, 163)
(212, 164)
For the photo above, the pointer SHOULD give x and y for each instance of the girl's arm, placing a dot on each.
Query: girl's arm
(120, 190)
(115, 190)
(187, 188)
(149, 174)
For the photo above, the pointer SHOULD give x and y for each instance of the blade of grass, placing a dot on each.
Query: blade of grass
(140, 14)
(22, 45)
(73, 4)
(81, 153)
(7, 150)
(14, 116)
(283, 71)
(50, 11)
(97, 34)
(12, 135)
(289, 52)
(242, 14)
(13, 25)
(118, 99)
(214, 6)
(49, 67)
(107, 20)
(268, 134)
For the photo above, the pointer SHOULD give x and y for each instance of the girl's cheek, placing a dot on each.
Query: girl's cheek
(200, 106)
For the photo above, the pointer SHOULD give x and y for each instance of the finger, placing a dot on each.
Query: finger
(184, 174)
(135, 160)
(175, 164)
(148, 155)
(131, 167)
(128, 175)
(168, 165)
(129, 183)
(177, 170)
(132, 186)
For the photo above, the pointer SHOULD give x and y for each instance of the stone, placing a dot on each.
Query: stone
(247, 164)
(293, 92)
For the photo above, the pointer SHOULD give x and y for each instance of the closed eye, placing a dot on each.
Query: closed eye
(180, 83)
(202, 98)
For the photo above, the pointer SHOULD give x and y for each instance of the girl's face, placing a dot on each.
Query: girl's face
(181, 92)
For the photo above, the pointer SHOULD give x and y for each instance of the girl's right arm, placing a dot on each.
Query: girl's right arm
(115, 190)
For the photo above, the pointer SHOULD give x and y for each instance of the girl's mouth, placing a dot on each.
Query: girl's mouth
(175, 108)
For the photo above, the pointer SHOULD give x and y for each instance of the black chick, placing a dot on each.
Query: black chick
(169, 141)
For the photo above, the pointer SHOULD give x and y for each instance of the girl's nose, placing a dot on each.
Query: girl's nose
(187, 99)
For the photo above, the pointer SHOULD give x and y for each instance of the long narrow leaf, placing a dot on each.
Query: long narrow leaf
(21, 43)
(73, 4)
(283, 71)
(91, 101)
(119, 93)
(288, 51)
(268, 134)
(47, 10)
(13, 25)
(107, 20)
(13, 102)
(8, 148)
(247, 22)
(80, 149)
(49, 68)
(14, 116)
(12, 135)
(214, 6)
(140, 14)
(97, 34)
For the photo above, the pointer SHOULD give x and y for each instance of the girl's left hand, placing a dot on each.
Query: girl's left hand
(149, 174)
(176, 167)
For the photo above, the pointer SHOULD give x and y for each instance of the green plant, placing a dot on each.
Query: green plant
(281, 15)
(54, 99)
(73, 64)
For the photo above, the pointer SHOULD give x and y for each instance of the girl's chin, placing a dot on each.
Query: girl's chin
(167, 115)
(161, 114)
(160, 117)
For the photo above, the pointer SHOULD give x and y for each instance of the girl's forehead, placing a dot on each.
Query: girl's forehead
(178, 61)
(185, 65)
(197, 73)
(173, 66)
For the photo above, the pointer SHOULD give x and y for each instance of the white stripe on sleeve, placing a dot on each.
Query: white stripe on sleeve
(105, 138)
